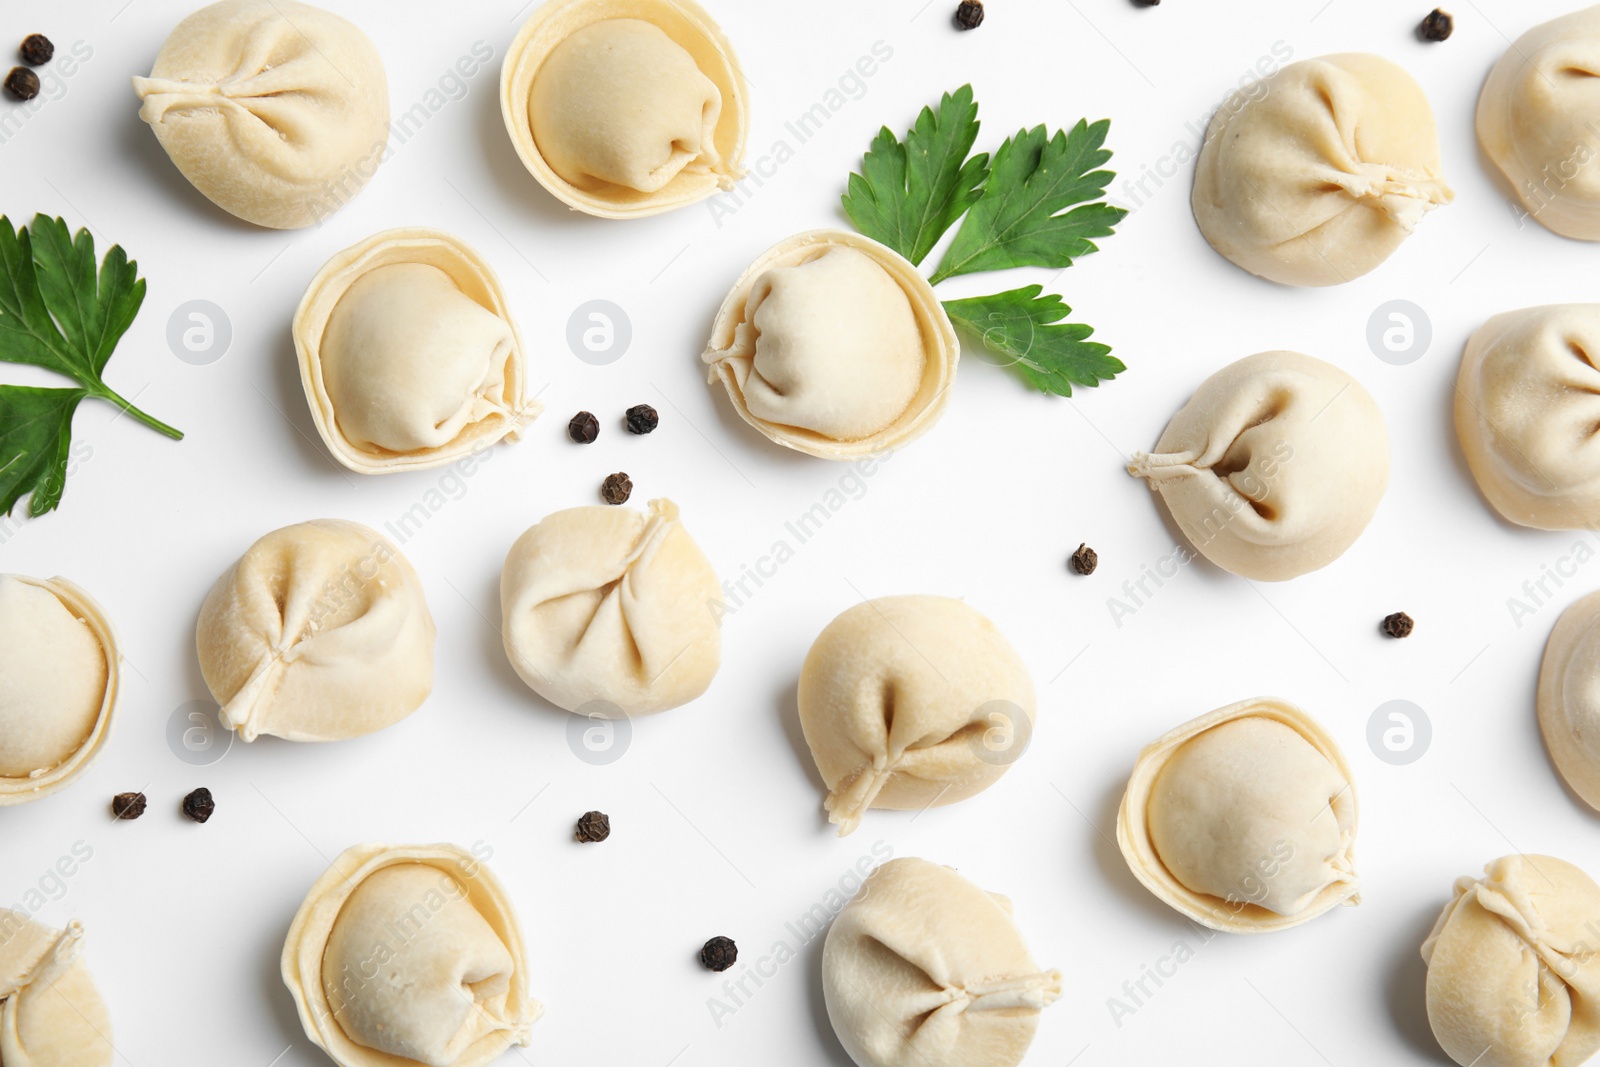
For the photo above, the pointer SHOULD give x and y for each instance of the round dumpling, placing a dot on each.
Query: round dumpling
(1244, 819)
(924, 969)
(276, 110)
(614, 605)
(1569, 698)
(1512, 978)
(625, 108)
(1315, 175)
(319, 633)
(408, 354)
(409, 954)
(1274, 467)
(834, 345)
(51, 1013)
(1527, 408)
(59, 670)
(911, 702)
(1536, 120)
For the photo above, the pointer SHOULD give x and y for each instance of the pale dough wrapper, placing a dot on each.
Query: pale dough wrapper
(834, 345)
(406, 954)
(924, 969)
(1274, 467)
(1538, 117)
(1243, 819)
(1513, 977)
(1569, 698)
(1528, 414)
(607, 609)
(319, 633)
(60, 672)
(910, 702)
(276, 110)
(1316, 174)
(51, 1014)
(626, 108)
(409, 355)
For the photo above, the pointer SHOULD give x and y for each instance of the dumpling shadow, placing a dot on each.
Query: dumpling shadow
(496, 659)
(787, 702)
(139, 145)
(289, 398)
(1114, 868)
(1404, 992)
(832, 1052)
(273, 991)
(511, 178)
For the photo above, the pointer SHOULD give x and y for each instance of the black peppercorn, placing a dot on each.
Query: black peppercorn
(642, 418)
(583, 428)
(616, 489)
(127, 805)
(719, 953)
(1399, 624)
(593, 826)
(1437, 26)
(1085, 560)
(37, 50)
(969, 16)
(199, 805)
(22, 83)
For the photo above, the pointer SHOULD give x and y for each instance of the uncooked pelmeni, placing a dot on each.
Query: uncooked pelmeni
(910, 702)
(1244, 819)
(1537, 120)
(607, 610)
(625, 108)
(1569, 697)
(1527, 411)
(408, 354)
(276, 110)
(1513, 977)
(59, 679)
(319, 633)
(1274, 466)
(51, 1013)
(409, 954)
(834, 345)
(1315, 175)
(924, 969)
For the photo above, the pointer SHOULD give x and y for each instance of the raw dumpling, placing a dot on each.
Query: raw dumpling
(924, 969)
(1527, 410)
(277, 111)
(625, 108)
(408, 354)
(834, 345)
(319, 633)
(1315, 175)
(911, 702)
(1513, 978)
(51, 1014)
(1274, 467)
(1537, 117)
(409, 954)
(1569, 697)
(59, 671)
(611, 604)
(1244, 819)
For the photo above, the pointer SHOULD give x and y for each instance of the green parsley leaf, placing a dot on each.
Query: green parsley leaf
(1025, 329)
(1021, 218)
(35, 435)
(907, 195)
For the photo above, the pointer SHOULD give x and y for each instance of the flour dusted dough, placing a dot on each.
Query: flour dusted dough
(319, 633)
(1513, 978)
(51, 1014)
(612, 605)
(277, 111)
(408, 354)
(1314, 176)
(1243, 819)
(626, 108)
(409, 954)
(59, 676)
(924, 969)
(1274, 467)
(1569, 697)
(909, 702)
(834, 345)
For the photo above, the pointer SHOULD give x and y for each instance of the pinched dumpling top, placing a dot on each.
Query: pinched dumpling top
(408, 354)
(409, 954)
(1569, 698)
(51, 1013)
(59, 672)
(1243, 819)
(624, 108)
(834, 345)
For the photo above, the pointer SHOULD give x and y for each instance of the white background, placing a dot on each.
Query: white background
(716, 807)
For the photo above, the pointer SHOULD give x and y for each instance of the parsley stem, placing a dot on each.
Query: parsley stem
(110, 396)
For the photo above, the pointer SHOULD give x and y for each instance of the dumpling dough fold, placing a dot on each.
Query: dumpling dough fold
(51, 1013)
